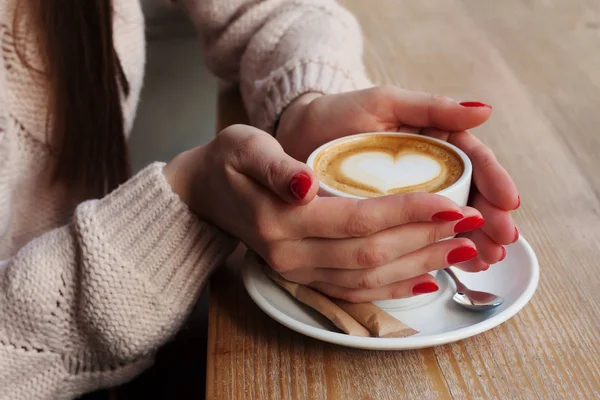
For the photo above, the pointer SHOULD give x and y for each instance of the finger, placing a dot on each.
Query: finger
(403, 289)
(489, 251)
(491, 179)
(474, 265)
(334, 217)
(381, 248)
(259, 156)
(431, 258)
(499, 224)
(425, 109)
(436, 133)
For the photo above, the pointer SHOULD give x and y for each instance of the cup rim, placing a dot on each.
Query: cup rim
(465, 176)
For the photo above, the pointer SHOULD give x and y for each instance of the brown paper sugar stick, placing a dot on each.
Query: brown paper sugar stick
(320, 303)
(380, 323)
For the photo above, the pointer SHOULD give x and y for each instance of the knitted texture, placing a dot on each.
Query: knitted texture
(89, 292)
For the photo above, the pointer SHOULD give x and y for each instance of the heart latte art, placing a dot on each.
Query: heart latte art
(376, 165)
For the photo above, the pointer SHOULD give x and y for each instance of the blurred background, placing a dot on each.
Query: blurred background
(177, 109)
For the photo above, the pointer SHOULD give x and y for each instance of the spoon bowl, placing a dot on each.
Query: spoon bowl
(472, 299)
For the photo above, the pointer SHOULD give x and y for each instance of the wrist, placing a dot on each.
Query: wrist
(182, 171)
(292, 113)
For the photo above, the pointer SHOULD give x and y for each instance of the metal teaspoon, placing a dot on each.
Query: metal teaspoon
(473, 299)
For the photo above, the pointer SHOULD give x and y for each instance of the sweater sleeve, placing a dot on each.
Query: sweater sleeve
(280, 49)
(86, 305)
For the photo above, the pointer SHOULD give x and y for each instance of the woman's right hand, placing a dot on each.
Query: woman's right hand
(357, 250)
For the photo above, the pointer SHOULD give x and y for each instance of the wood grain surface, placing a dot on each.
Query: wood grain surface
(538, 64)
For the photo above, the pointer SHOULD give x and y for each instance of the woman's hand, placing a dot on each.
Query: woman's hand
(313, 120)
(357, 250)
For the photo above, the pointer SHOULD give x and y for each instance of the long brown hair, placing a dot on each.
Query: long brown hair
(85, 83)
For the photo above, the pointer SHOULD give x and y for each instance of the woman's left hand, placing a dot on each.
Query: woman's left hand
(314, 119)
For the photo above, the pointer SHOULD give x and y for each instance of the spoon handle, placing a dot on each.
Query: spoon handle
(459, 286)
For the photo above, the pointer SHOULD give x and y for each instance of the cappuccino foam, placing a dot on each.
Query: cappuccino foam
(377, 165)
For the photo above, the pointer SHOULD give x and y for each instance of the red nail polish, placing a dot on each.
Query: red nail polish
(474, 104)
(516, 235)
(447, 216)
(425, 287)
(300, 185)
(461, 254)
(503, 256)
(469, 224)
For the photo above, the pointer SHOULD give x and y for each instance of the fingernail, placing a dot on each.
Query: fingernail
(447, 216)
(485, 267)
(516, 235)
(503, 256)
(425, 287)
(461, 254)
(468, 224)
(474, 104)
(300, 185)
(518, 202)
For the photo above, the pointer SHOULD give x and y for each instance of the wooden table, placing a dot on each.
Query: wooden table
(538, 64)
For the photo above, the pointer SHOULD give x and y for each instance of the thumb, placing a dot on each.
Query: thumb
(263, 159)
(424, 110)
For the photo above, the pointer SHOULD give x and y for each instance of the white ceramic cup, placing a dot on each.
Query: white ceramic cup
(457, 192)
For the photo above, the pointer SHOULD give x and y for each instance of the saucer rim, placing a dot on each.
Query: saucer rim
(413, 342)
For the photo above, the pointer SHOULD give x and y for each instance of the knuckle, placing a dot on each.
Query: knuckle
(434, 233)
(245, 147)
(303, 277)
(239, 154)
(412, 204)
(371, 255)
(371, 280)
(274, 170)
(433, 104)
(251, 142)
(348, 280)
(484, 156)
(277, 260)
(265, 229)
(429, 264)
(232, 130)
(358, 223)
(411, 213)
(396, 292)
(267, 225)
(437, 99)
(424, 267)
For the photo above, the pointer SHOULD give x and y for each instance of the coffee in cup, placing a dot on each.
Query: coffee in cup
(377, 165)
(383, 163)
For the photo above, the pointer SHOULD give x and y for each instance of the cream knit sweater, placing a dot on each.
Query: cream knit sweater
(89, 292)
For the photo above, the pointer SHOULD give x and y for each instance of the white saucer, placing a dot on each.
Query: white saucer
(439, 321)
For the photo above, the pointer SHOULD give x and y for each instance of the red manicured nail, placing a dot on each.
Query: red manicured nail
(447, 216)
(300, 185)
(516, 235)
(469, 224)
(425, 287)
(474, 104)
(461, 254)
(503, 256)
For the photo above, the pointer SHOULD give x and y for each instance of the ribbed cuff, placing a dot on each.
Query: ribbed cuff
(285, 85)
(144, 225)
